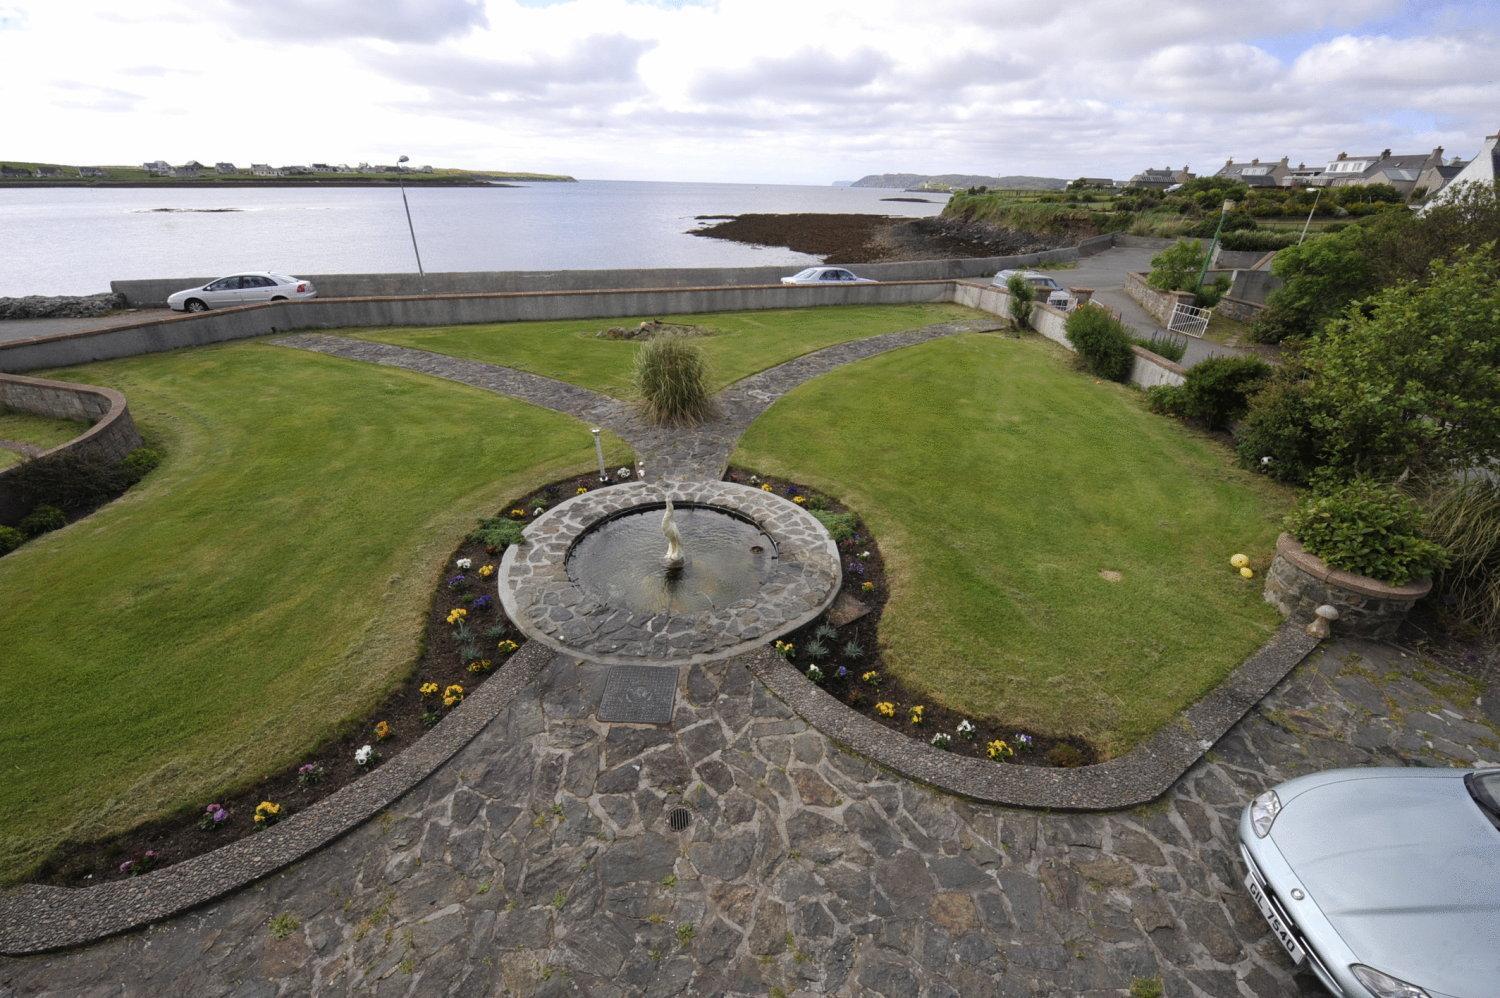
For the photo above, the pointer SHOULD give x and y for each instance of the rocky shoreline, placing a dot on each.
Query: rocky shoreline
(853, 238)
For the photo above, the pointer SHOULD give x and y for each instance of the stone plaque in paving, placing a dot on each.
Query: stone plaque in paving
(639, 694)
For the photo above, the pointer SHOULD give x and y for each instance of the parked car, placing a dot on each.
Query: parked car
(1047, 289)
(242, 289)
(826, 275)
(1385, 882)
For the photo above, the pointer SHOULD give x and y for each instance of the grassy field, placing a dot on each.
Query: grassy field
(24, 428)
(745, 342)
(1000, 482)
(262, 586)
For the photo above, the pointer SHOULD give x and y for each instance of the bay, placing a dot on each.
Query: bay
(75, 240)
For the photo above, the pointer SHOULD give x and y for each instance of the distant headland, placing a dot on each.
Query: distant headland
(194, 174)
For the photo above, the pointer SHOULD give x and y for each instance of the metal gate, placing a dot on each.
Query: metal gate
(1189, 320)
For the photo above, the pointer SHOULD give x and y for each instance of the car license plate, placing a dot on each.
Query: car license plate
(1279, 928)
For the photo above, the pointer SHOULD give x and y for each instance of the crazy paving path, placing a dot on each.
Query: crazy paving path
(699, 452)
(539, 861)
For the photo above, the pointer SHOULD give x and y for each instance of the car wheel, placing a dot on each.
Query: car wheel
(195, 305)
(279, 298)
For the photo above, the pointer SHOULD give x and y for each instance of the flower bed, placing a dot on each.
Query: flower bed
(846, 660)
(468, 638)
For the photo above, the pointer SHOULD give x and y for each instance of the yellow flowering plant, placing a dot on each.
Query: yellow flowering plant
(267, 813)
(382, 729)
(766, 487)
(799, 500)
(428, 689)
(480, 666)
(786, 649)
(519, 514)
(872, 677)
(453, 695)
(885, 708)
(485, 571)
(999, 750)
(867, 587)
(457, 616)
(506, 646)
(581, 490)
(916, 714)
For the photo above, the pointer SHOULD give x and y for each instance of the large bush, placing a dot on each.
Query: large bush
(1263, 240)
(1463, 515)
(1022, 296)
(1176, 268)
(672, 378)
(1215, 392)
(1408, 381)
(1102, 342)
(1320, 277)
(1366, 528)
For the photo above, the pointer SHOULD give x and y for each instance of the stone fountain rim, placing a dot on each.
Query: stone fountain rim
(533, 580)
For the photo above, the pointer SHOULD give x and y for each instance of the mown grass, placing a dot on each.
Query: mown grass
(1000, 482)
(264, 585)
(744, 342)
(25, 428)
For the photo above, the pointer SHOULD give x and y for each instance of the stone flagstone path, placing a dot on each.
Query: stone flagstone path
(539, 861)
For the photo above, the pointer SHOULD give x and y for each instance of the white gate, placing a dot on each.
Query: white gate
(1190, 320)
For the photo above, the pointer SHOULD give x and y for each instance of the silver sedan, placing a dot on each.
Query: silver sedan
(826, 275)
(241, 289)
(1384, 882)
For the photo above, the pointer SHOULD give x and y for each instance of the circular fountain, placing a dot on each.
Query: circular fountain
(668, 573)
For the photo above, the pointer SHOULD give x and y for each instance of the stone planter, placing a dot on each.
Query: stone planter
(1299, 582)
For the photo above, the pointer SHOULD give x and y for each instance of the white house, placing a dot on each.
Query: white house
(1482, 169)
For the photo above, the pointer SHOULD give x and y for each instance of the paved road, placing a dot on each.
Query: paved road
(1105, 273)
(23, 329)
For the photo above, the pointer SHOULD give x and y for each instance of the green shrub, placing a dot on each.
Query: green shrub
(1176, 268)
(1165, 400)
(1167, 346)
(1216, 391)
(1463, 515)
(10, 539)
(43, 519)
(1367, 528)
(1102, 342)
(1209, 294)
(1263, 240)
(672, 378)
(140, 462)
(1022, 295)
(840, 526)
(1277, 436)
(497, 532)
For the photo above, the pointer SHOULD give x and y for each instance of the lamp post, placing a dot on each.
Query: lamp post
(421, 274)
(1309, 216)
(1225, 210)
(599, 452)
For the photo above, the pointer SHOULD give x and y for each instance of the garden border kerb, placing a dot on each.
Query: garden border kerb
(35, 918)
(1137, 777)
(548, 606)
(112, 435)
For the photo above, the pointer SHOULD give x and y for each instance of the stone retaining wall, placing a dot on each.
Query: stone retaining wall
(1300, 582)
(112, 435)
(1160, 304)
(1238, 309)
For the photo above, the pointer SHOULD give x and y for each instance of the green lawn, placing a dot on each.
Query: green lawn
(1000, 482)
(23, 427)
(746, 342)
(262, 586)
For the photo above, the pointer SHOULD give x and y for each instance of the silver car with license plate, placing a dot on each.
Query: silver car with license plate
(249, 288)
(1385, 883)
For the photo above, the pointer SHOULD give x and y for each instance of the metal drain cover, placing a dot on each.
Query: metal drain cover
(680, 818)
(639, 694)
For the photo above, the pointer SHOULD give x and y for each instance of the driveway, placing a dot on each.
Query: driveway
(1105, 273)
(24, 329)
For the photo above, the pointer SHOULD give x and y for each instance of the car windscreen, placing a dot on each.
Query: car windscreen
(805, 274)
(1484, 787)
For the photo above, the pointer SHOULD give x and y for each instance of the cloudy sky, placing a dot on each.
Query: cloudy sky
(746, 90)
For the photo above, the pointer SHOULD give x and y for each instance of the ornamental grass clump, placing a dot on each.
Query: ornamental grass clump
(1463, 515)
(1367, 528)
(671, 376)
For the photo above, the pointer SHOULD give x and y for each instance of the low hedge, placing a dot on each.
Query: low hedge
(1102, 342)
(1367, 528)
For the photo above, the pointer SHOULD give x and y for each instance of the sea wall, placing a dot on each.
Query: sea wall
(189, 330)
(154, 292)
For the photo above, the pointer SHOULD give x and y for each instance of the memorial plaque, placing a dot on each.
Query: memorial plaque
(639, 694)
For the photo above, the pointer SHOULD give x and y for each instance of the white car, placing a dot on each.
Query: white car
(826, 275)
(1047, 289)
(242, 289)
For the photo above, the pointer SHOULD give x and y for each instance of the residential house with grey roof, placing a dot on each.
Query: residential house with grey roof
(1160, 179)
(225, 168)
(1401, 172)
(1482, 169)
(91, 171)
(1255, 173)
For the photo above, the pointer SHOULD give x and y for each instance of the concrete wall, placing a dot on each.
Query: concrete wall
(442, 310)
(112, 435)
(1253, 286)
(1148, 370)
(154, 292)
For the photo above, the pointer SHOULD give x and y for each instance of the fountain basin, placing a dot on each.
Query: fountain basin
(589, 580)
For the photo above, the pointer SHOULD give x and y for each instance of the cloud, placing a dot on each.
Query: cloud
(313, 21)
(808, 74)
(594, 61)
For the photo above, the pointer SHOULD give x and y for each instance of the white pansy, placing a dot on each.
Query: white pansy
(363, 755)
(464, 563)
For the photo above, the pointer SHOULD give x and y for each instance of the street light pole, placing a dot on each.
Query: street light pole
(1309, 216)
(421, 274)
(1225, 210)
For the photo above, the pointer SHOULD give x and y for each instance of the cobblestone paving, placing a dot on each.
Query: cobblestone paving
(701, 452)
(539, 861)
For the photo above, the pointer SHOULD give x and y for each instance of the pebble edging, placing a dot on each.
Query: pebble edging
(1137, 777)
(35, 918)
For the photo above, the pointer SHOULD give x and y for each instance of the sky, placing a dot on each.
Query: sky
(756, 91)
